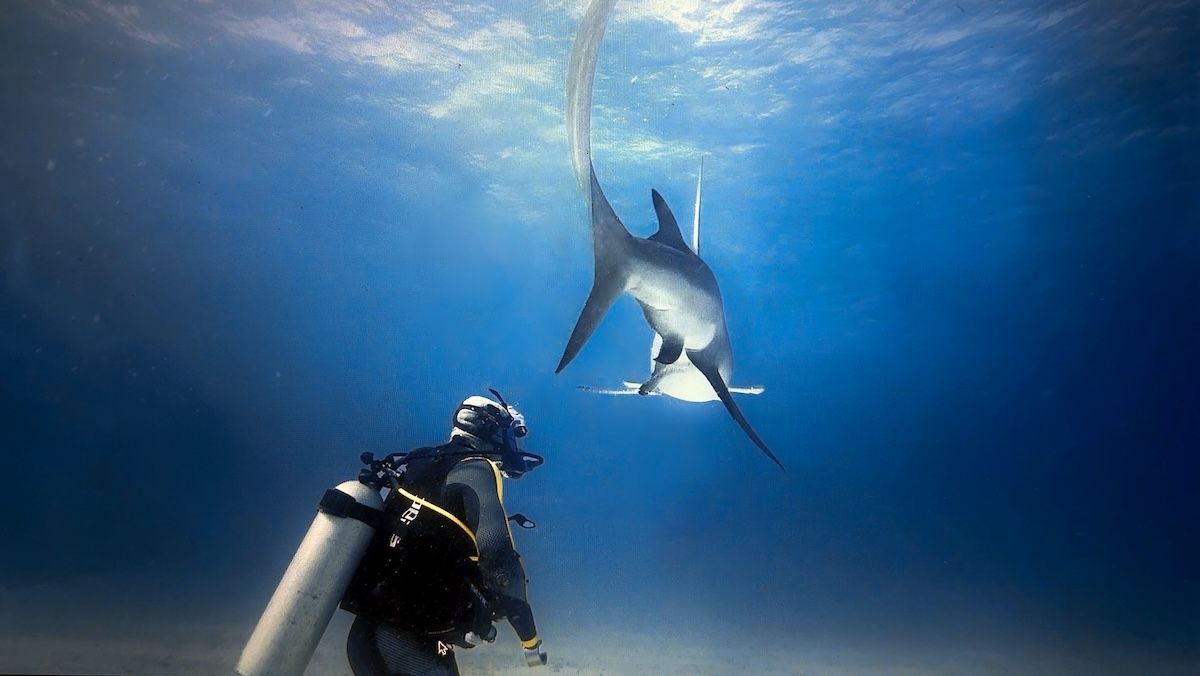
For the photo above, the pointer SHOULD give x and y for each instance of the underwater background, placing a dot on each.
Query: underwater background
(958, 243)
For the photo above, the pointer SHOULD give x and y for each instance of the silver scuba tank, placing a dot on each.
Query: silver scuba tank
(290, 628)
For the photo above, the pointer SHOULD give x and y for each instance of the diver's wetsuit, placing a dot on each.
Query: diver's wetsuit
(472, 492)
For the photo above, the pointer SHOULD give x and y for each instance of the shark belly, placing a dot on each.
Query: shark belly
(679, 304)
(684, 381)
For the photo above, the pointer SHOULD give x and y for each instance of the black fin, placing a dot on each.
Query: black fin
(605, 291)
(700, 360)
(668, 229)
(669, 351)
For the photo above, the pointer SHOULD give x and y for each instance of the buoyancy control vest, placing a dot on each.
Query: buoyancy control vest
(421, 570)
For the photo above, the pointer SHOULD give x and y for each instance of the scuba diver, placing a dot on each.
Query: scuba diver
(445, 568)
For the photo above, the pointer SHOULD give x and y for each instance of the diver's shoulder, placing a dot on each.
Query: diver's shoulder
(474, 466)
(476, 463)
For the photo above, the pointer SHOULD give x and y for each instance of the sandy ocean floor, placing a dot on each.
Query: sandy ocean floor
(82, 628)
(159, 649)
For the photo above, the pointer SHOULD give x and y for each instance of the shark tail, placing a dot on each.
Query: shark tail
(610, 240)
(581, 72)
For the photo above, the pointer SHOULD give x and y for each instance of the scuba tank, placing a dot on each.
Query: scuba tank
(351, 556)
(290, 628)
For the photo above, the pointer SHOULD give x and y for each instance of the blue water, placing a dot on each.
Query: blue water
(958, 243)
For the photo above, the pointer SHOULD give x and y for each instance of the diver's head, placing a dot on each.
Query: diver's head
(493, 428)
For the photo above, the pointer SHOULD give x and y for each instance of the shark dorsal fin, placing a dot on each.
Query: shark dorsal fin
(668, 228)
(696, 213)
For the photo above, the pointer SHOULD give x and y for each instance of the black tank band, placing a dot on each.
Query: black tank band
(337, 503)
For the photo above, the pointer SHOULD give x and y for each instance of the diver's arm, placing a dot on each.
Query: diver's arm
(477, 482)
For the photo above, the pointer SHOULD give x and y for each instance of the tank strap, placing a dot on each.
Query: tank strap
(337, 503)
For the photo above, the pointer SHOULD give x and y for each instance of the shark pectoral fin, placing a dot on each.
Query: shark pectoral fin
(670, 351)
(668, 228)
(605, 290)
(709, 368)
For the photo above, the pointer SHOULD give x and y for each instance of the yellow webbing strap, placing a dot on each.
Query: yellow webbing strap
(500, 496)
(425, 503)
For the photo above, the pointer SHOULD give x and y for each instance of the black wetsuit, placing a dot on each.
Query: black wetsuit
(471, 491)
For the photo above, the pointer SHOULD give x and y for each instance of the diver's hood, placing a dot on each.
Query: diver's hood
(493, 428)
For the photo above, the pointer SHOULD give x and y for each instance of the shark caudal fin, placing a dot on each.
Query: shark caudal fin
(610, 246)
(609, 236)
(705, 364)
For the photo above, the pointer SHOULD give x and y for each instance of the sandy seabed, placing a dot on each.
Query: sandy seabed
(160, 649)
(82, 628)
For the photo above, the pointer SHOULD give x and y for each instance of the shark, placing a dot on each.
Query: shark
(680, 380)
(677, 291)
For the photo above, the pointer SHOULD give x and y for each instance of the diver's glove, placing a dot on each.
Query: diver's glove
(536, 655)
